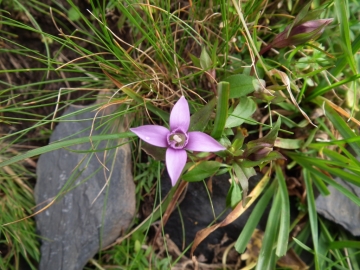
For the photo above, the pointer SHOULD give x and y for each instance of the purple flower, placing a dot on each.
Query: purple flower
(177, 139)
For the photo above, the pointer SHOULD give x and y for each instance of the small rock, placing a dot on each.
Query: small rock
(340, 209)
(94, 205)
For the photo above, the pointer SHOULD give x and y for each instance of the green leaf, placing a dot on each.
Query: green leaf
(195, 60)
(309, 165)
(347, 161)
(241, 113)
(240, 85)
(201, 171)
(342, 12)
(254, 219)
(328, 166)
(201, 117)
(302, 245)
(347, 176)
(243, 174)
(323, 89)
(274, 155)
(238, 140)
(326, 237)
(344, 244)
(330, 262)
(73, 14)
(205, 60)
(234, 195)
(266, 259)
(320, 185)
(221, 110)
(214, 51)
(312, 216)
(288, 143)
(284, 231)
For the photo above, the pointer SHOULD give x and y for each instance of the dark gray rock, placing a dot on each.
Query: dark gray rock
(340, 209)
(94, 205)
(196, 214)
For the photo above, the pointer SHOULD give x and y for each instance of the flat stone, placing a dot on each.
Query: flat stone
(94, 205)
(340, 209)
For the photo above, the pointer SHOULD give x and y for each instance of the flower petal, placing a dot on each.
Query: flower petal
(175, 163)
(199, 141)
(180, 115)
(152, 134)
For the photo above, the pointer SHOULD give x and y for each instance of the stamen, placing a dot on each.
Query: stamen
(177, 138)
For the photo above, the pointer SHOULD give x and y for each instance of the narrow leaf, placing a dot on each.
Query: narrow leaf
(288, 143)
(312, 216)
(234, 195)
(267, 254)
(254, 219)
(323, 89)
(283, 237)
(274, 155)
(205, 60)
(342, 12)
(243, 175)
(309, 165)
(344, 244)
(221, 110)
(320, 185)
(201, 170)
(344, 129)
(241, 113)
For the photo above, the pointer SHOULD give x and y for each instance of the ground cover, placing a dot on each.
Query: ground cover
(275, 83)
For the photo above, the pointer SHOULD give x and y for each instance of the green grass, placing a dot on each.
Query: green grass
(299, 102)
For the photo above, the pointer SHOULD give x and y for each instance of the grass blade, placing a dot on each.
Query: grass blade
(343, 128)
(341, 9)
(328, 88)
(222, 109)
(312, 216)
(266, 259)
(283, 237)
(254, 219)
(309, 166)
(67, 143)
(344, 244)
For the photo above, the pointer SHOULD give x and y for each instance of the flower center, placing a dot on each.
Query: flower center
(177, 139)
